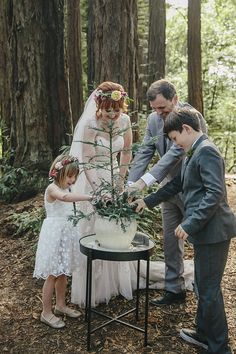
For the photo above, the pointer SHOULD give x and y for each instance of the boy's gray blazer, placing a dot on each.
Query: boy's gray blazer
(208, 217)
(171, 155)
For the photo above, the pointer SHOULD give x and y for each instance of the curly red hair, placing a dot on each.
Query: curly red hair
(107, 102)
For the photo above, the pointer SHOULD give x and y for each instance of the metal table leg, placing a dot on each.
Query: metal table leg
(88, 298)
(87, 286)
(93, 253)
(137, 291)
(146, 303)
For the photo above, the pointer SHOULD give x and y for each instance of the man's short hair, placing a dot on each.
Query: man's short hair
(180, 116)
(161, 87)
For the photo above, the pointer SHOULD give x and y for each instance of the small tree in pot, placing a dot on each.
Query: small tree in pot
(113, 212)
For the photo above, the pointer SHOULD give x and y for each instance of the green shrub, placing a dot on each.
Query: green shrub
(27, 223)
(17, 184)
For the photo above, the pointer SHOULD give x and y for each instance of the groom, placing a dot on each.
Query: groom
(163, 99)
(208, 223)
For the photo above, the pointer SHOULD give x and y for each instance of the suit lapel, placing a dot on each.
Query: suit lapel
(187, 159)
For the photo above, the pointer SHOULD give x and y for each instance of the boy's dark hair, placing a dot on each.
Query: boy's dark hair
(180, 116)
(161, 87)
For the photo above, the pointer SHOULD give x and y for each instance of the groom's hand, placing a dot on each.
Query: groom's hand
(136, 186)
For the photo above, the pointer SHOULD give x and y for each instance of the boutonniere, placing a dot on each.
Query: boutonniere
(190, 153)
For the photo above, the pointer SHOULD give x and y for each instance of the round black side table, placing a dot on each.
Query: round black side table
(141, 249)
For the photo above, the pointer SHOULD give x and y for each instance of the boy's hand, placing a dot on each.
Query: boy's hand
(180, 233)
(139, 204)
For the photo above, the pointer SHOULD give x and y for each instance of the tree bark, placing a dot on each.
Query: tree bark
(5, 107)
(113, 46)
(37, 87)
(194, 55)
(156, 40)
(74, 60)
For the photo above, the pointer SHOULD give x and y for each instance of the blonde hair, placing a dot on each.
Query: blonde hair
(63, 166)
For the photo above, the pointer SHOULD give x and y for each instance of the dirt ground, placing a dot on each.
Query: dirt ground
(20, 307)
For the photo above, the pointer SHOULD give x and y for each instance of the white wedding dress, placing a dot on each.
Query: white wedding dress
(109, 278)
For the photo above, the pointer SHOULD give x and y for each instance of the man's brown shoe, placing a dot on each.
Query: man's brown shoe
(170, 298)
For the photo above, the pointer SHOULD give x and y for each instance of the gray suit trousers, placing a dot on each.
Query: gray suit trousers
(172, 213)
(210, 261)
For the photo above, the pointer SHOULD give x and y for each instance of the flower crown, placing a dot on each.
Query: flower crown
(59, 165)
(113, 95)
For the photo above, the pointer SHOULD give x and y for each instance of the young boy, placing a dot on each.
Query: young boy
(208, 223)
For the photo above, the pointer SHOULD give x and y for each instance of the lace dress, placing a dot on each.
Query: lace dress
(57, 241)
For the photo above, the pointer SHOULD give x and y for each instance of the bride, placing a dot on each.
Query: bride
(107, 103)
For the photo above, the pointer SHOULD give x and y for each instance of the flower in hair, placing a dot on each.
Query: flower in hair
(53, 173)
(116, 95)
(59, 165)
(113, 95)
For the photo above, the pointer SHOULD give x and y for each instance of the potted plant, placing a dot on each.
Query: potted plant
(116, 219)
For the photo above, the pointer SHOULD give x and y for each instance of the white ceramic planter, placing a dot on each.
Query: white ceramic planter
(110, 235)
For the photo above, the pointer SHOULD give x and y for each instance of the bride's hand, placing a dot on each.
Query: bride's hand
(120, 184)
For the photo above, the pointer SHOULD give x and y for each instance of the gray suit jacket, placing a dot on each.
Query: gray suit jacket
(171, 155)
(208, 217)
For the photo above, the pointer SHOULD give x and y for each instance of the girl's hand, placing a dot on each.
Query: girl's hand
(106, 196)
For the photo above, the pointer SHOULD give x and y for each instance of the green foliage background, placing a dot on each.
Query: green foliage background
(218, 69)
(218, 23)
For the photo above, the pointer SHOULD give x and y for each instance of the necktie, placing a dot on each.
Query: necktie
(164, 143)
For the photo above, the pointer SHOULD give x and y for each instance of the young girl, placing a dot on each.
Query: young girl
(55, 259)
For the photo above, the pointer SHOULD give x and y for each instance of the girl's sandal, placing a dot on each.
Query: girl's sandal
(53, 321)
(68, 312)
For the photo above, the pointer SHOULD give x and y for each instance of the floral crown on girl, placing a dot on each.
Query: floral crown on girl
(59, 166)
(113, 95)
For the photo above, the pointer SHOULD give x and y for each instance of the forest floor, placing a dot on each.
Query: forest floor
(20, 306)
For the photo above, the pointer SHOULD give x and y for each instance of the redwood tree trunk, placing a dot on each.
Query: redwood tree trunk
(74, 61)
(194, 55)
(113, 45)
(156, 40)
(5, 107)
(37, 87)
